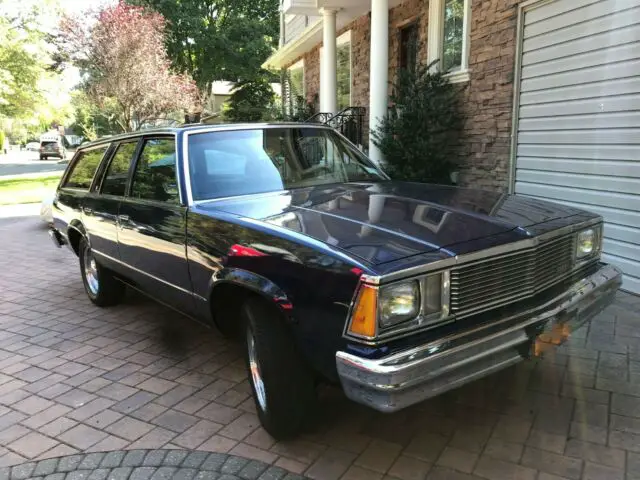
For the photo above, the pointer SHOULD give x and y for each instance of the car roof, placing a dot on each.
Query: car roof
(195, 128)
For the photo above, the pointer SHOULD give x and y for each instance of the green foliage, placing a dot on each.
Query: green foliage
(250, 101)
(90, 122)
(422, 129)
(218, 39)
(2, 137)
(20, 71)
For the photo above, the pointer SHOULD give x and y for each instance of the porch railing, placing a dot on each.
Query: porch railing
(349, 122)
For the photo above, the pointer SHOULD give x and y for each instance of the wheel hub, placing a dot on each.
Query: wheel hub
(91, 272)
(256, 374)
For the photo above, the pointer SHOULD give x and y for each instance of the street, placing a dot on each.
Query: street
(23, 162)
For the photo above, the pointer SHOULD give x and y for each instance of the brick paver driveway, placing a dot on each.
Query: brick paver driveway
(75, 378)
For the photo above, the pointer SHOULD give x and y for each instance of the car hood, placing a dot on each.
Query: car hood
(388, 221)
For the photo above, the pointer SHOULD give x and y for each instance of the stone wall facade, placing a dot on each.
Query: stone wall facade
(483, 157)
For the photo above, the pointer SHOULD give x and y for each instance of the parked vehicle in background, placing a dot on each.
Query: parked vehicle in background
(32, 146)
(288, 236)
(52, 145)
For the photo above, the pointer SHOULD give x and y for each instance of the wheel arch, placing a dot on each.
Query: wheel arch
(230, 288)
(75, 232)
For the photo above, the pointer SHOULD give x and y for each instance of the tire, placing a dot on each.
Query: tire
(283, 386)
(102, 288)
(42, 157)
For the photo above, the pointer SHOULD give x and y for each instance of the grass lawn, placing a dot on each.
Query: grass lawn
(27, 190)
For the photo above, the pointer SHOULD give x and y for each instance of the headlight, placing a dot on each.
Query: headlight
(587, 243)
(398, 303)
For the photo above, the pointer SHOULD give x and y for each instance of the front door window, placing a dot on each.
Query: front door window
(155, 176)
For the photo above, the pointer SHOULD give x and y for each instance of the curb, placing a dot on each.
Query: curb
(147, 465)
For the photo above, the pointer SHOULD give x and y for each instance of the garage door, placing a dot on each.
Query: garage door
(578, 138)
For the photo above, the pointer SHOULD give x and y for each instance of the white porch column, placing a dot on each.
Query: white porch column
(328, 74)
(379, 74)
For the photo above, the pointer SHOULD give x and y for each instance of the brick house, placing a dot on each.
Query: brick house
(551, 90)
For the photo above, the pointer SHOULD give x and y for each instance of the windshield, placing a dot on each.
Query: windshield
(242, 162)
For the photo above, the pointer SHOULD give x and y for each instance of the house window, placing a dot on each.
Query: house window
(448, 41)
(409, 47)
(452, 35)
(343, 69)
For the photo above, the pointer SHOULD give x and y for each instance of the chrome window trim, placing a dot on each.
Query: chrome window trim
(483, 255)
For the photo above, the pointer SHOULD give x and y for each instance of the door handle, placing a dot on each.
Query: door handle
(87, 210)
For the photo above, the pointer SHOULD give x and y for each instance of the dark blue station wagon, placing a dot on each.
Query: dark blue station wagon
(289, 237)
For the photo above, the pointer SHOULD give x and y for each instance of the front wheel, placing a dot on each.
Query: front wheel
(283, 386)
(102, 288)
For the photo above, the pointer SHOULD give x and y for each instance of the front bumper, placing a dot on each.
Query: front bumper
(394, 382)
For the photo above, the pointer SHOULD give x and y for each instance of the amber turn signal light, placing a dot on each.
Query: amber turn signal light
(364, 318)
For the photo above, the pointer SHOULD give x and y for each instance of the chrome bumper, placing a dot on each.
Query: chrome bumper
(394, 382)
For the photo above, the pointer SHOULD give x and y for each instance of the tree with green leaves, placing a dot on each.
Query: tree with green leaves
(218, 39)
(20, 70)
(126, 67)
(250, 101)
(422, 128)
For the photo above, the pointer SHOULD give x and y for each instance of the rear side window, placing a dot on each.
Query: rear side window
(115, 182)
(84, 169)
(155, 176)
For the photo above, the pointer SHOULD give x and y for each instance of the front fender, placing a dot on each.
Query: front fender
(256, 283)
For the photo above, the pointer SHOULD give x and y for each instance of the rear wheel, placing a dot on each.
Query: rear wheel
(102, 288)
(283, 386)
(42, 157)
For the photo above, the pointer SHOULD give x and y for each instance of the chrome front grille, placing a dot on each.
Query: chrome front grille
(504, 279)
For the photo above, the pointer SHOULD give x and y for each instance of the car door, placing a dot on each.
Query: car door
(152, 226)
(101, 207)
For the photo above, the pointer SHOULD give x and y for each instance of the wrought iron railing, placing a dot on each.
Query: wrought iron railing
(349, 122)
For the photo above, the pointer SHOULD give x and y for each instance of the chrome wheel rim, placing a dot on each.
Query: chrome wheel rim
(256, 374)
(91, 272)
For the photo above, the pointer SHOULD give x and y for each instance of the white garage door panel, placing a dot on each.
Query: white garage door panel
(578, 137)
(595, 167)
(614, 152)
(583, 137)
(555, 9)
(573, 122)
(594, 74)
(624, 221)
(594, 11)
(620, 233)
(622, 249)
(585, 60)
(623, 103)
(583, 45)
(584, 197)
(580, 181)
(576, 31)
(578, 92)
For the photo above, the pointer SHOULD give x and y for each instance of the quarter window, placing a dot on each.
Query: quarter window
(85, 168)
(155, 175)
(115, 182)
